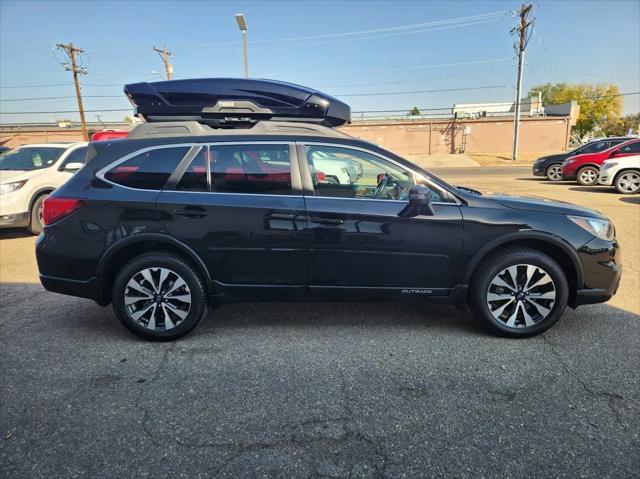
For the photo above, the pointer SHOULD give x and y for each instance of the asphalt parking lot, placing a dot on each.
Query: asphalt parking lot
(323, 390)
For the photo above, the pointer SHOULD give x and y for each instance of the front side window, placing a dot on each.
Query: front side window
(79, 155)
(30, 158)
(595, 147)
(149, 170)
(346, 173)
(261, 168)
(632, 148)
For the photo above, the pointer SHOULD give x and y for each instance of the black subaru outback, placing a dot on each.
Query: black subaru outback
(251, 195)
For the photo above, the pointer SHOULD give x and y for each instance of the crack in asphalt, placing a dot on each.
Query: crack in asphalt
(593, 393)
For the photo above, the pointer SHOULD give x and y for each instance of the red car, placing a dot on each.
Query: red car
(584, 168)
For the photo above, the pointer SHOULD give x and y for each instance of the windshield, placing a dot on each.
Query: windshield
(30, 158)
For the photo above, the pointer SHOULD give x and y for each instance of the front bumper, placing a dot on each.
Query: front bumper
(538, 169)
(605, 178)
(568, 176)
(601, 271)
(14, 220)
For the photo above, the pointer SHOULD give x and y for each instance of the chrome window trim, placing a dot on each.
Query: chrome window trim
(415, 175)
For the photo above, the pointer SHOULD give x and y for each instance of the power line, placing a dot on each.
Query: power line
(61, 97)
(426, 91)
(61, 111)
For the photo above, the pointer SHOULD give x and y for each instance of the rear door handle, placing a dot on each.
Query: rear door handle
(192, 212)
(326, 221)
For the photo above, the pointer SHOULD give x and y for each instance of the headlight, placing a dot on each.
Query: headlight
(609, 164)
(568, 160)
(603, 229)
(11, 187)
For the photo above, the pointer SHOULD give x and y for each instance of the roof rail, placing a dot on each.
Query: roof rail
(194, 128)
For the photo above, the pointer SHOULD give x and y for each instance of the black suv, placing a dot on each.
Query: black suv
(182, 215)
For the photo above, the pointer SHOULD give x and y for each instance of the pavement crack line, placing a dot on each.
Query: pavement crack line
(609, 397)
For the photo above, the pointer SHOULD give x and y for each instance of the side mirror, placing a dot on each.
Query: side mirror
(419, 203)
(73, 166)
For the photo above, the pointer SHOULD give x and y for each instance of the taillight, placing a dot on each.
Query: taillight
(54, 208)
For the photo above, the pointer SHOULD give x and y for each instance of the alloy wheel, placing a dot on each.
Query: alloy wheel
(157, 298)
(588, 176)
(521, 296)
(629, 182)
(554, 172)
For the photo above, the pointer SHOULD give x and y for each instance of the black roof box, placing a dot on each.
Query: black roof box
(229, 101)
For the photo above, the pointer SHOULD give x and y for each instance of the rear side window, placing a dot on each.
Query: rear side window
(264, 169)
(195, 176)
(149, 170)
(79, 155)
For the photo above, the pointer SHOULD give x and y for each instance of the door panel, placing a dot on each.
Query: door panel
(364, 243)
(243, 239)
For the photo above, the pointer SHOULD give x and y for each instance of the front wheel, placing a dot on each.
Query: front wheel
(587, 176)
(159, 296)
(628, 182)
(518, 293)
(554, 172)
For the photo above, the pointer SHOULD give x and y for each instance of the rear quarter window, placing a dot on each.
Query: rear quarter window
(149, 170)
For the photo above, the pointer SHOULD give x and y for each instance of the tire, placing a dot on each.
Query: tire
(627, 182)
(554, 172)
(159, 314)
(587, 176)
(542, 312)
(35, 223)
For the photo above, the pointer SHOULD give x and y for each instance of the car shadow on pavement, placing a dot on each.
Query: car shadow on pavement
(594, 189)
(12, 233)
(634, 200)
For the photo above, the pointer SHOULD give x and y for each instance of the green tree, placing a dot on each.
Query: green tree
(414, 111)
(598, 103)
(620, 126)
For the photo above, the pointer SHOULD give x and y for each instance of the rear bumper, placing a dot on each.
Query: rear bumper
(91, 288)
(16, 220)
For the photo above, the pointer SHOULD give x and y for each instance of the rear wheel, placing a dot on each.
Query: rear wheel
(587, 175)
(159, 296)
(628, 182)
(554, 172)
(35, 223)
(519, 293)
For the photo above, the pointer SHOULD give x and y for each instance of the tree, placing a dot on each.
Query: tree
(414, 111)
(620, 126)
(598, 103)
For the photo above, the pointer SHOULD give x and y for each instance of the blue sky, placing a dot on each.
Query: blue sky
(573, 42)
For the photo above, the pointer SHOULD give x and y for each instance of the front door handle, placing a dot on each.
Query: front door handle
(192, 212)
(326, 221)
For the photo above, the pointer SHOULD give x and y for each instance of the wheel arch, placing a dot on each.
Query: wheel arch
(546, 243)
(45, 190)
(594, 165)
(118, 254)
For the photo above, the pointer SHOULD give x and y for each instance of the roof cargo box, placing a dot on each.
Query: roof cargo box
(228, 101)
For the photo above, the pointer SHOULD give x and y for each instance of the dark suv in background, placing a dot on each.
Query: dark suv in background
(184, 214)
(551, 165)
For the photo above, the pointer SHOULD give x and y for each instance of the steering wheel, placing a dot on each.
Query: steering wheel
(381, 186)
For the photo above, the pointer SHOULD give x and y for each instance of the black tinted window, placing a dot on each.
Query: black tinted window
(262, 169)
(79, 155)
(632, 148)
(195, 176)
(149, 170)
(595, 147)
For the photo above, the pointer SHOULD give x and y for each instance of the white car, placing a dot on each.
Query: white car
(28, 174)
(343, 171)
(623, 173)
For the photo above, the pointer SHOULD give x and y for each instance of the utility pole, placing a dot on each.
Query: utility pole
(165, 55)
(72, 65)
(521, 44)
(242, 25)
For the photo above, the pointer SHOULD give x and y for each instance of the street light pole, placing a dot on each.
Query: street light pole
(242, 24)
